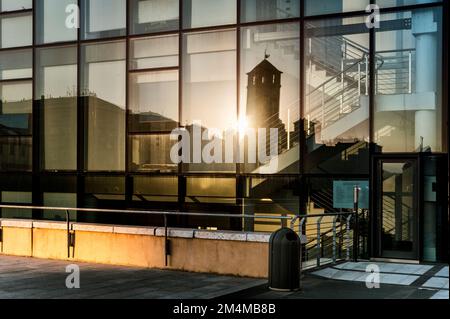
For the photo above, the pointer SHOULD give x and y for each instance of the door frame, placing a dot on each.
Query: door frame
(376, 204)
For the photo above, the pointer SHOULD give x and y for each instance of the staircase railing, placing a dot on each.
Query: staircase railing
(329, 237)
(348, 62)
(397, 74)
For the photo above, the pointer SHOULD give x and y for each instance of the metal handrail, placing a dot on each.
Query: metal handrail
(144, 212)
(167, 249)
(317, 243)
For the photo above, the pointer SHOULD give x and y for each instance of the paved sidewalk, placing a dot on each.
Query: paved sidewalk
(425, 277)
(348, 281)
(28, 278)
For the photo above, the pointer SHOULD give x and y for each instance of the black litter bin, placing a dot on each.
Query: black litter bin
(284, 260)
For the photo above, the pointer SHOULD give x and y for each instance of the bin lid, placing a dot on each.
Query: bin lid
(284, 234)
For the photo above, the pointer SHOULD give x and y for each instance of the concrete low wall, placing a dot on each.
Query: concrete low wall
(220, 252)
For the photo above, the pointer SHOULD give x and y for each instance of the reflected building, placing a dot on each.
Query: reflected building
(86, 117)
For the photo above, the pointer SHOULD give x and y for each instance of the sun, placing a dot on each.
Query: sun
(242, 125)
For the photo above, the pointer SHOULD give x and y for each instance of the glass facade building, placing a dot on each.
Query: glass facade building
(91, 91)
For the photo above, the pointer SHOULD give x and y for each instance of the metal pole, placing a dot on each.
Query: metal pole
(318, 241)
(367, 74)
(334, 239)
(166, 242)
(289, 130)
(359, 79)
(348, 237)
(356, 227)
(1, 237)
(68, 233)
(300, 231)
(410, 72)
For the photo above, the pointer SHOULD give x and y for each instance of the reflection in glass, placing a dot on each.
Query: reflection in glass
(15, 153)
(269, 196)
(104, 192)
(16, 198)
(155, 189)
(154, 15)
(105, 187)
(398, 222)
(317, 7)
(209, 79)
(151, 153)
(399, 3)
(154, 101)
(56, 89)
(51, 26)
(154, 52)
(14, 5)
(203, 13)
(408, 115)
(103, 18)
(16, 30)
(211, 190)
(103, 88)
(209, 89)
(336, 104)
(59, 200)
(15, 108)
(17, 64)
(261, 10)
(270, 95)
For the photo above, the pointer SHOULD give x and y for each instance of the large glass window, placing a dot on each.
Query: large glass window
(16, 198)
(103, 87)
(203, 13)
(16, 30)
(51, 21)
(270, 196)
(15, 153)
(103, 18)
(260, 10)
(104, 192)
(15, 92)
(399, 3)
(336, 104)
(318, 7)
(15, 189)
(15, 110)
(15, 5)
(209, 88)
(58, 191)
(155, 189)
(151, 153)
(211, 190)
(154, 101)
(408, 113)
(154, 52)
(154, 16)
(270, 94)
(153, 111)
(16, 64)
(209, 79)
(56, 89)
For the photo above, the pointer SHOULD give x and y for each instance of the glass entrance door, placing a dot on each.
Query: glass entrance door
(398, 209)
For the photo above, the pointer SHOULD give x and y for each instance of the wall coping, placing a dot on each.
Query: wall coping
(141, 230)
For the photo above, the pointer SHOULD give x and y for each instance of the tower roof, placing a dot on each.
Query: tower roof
(266, 66)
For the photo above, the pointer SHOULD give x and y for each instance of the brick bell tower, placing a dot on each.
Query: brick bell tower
(263, 100)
